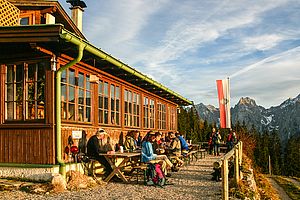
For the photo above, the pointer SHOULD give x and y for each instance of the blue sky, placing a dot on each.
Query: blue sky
(188, 45)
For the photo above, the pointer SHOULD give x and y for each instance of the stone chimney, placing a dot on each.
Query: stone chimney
(77, 8)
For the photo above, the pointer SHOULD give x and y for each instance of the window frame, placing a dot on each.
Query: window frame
(36, 97)
(69, 100)
(149, 112)
(113, 110)
(30, 16)
(132, 108)
(162, 116)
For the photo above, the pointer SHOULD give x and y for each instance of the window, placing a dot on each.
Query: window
(75, 96)
(132, 108)
(25, 91)
(27, 18)
(161, 116)
(172, 118)
(24, 21)
(108, 97)
(149, 113)
(115, 104)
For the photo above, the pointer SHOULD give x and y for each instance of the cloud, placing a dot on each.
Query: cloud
(187, 46)
(271, 80)
(262, 42)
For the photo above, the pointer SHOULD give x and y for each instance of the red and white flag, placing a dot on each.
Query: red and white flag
(224, 103)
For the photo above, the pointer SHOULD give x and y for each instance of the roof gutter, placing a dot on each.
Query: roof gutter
(81, 46)
(90, 48)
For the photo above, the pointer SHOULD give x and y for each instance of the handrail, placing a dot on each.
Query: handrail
(236, 152)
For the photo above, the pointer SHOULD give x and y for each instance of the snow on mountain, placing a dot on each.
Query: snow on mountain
(267, 120)
(284, 118)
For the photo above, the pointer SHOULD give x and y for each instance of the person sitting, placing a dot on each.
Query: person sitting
(149, 156)
(175, 148)
(130, 143)
(95, 146)
(157, 144)
(183, 143)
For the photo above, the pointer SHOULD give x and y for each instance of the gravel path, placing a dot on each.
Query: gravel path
(191, 182)
(282, 194)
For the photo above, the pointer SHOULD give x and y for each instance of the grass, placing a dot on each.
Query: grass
(292, 190)
(265, 188)
(243, 190)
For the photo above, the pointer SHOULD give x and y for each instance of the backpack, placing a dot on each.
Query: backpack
(229, 139)
(155, 175)
(216, 138)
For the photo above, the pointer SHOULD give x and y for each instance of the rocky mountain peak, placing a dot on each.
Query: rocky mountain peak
(284, 118)
(290, 101)
(212, 108)
(247, 101)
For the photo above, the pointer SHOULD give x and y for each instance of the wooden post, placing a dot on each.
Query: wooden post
(236, 165)
(270, 166)
(240, 152)
(225, 192)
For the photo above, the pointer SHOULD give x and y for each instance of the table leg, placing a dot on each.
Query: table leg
(116, 169)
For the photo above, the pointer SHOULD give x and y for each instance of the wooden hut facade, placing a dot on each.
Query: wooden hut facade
(54, 82)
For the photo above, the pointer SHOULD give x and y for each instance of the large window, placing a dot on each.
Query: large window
(161, 109)
(108, 97)
(132, 108)
(25, 91)
(115, 104)
(76, 96)
(149, 113)
(172, 118)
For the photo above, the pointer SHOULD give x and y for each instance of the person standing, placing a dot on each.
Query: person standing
(229, 142)
(216, 138)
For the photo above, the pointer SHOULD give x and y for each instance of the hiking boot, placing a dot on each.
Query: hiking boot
(116, 179)
(175, 169)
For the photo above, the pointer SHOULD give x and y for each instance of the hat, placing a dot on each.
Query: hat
(101, 131)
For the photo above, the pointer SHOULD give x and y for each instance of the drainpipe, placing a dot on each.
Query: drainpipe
(62, 165)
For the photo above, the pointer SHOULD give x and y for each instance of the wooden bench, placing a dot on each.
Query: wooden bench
(193, 154)
(137, 171)
(202, 153)
(190, 156)
(90, 166)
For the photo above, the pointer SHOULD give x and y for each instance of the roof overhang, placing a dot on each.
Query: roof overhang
(19, 39)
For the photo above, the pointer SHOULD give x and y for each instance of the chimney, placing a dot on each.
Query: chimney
(77, 7)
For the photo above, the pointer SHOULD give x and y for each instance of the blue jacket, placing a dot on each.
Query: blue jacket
(184, 145)
(147, 152)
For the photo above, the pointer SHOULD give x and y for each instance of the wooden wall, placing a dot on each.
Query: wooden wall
(31, 146)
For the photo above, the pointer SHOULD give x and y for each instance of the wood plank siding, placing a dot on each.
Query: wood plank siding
(34, 146)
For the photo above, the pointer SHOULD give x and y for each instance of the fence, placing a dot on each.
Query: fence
(236, 152)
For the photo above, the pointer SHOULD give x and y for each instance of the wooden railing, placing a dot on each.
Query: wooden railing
(236, 153)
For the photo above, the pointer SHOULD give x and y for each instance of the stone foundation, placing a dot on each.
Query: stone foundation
(35, 174)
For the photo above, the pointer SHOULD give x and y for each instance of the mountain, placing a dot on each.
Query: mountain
(284, 118)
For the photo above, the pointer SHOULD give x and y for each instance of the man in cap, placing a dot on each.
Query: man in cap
(95, 146)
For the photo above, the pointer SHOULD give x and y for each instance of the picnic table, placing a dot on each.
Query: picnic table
(117, 169)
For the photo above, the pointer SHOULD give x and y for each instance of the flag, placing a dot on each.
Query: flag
(224, 103)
